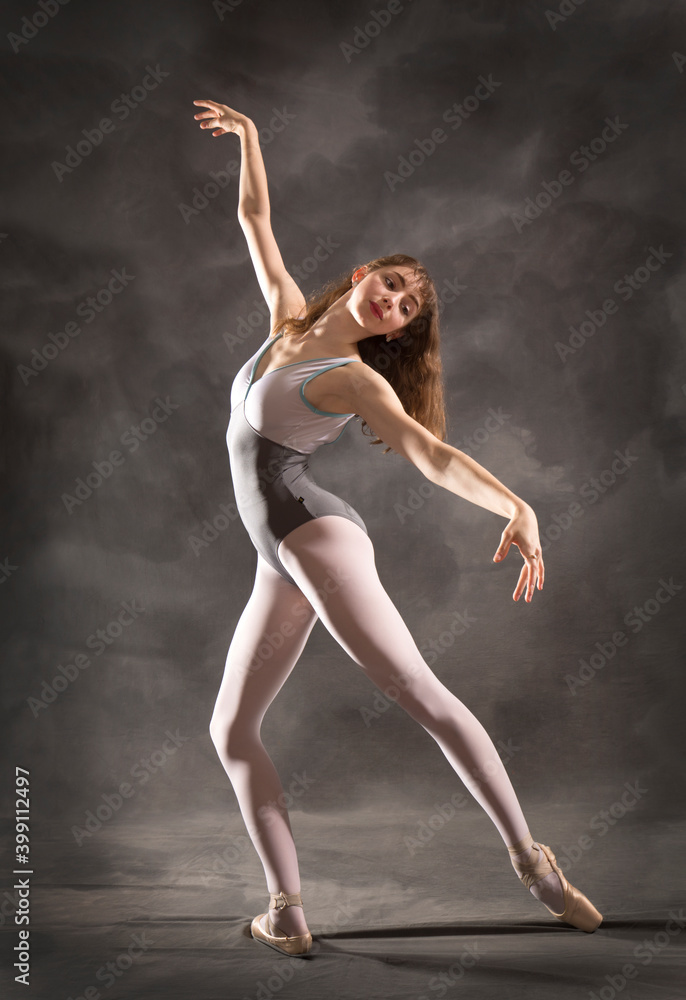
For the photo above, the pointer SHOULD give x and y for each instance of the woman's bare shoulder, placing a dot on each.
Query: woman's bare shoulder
(358, 380)
(359, 369)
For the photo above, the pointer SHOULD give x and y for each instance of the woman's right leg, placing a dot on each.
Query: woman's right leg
(269, 638)
(360, 615)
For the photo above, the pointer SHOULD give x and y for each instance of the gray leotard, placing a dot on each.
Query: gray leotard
(272, 431)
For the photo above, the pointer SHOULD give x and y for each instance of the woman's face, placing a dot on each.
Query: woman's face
(385, 300)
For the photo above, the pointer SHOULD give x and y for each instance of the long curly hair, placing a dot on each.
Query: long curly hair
(411, 363)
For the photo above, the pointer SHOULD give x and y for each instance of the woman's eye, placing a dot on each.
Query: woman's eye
(406, 309)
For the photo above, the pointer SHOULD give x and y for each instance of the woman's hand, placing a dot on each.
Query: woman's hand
(220, 118)
(522, 530)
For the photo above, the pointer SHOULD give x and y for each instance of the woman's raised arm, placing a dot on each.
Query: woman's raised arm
(278, 287)
(253, 193)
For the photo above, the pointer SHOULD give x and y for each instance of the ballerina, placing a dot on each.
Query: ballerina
(366, 346)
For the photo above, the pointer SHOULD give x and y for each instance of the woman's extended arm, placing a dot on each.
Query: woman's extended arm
(280, 290)
(366, 393)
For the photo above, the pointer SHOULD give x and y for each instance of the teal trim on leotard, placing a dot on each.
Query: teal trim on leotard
(258, 359)
(324, 413)
(326, 443)
(290, 365)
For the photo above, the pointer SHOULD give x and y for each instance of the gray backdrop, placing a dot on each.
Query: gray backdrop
(531, 158)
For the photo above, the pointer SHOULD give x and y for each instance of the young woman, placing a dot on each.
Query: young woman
(366, 346)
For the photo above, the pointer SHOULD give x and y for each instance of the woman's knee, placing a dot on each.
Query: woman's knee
(233, 738)
(419, 709)
(421, 694)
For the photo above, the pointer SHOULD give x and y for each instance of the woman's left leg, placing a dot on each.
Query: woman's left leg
(360, 615)
(268, 640)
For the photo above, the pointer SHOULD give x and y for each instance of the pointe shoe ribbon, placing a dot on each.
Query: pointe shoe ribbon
(579, 911)
(297, 944)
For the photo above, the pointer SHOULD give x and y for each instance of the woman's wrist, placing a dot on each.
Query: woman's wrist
(245, 126)
(515, 505)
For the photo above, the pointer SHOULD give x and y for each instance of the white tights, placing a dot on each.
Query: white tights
(332, 561)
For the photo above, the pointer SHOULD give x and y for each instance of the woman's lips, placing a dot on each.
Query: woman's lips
(376, 310)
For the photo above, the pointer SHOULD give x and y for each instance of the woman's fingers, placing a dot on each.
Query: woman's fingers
(502, 550)
(219, 117)
(208, 119)
(527, 576)
(527, 579)
(212, 117)
(520, 584)
(522, 530)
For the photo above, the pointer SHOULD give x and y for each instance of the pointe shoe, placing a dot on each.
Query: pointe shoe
(579, 911)
(298, 944)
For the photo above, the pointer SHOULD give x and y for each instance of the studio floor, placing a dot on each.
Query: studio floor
(400, 905)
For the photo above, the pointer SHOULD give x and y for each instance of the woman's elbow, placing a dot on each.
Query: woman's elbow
(431, 458)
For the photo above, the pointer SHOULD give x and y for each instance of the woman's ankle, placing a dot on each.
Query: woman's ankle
(289, 919)
(548, 889)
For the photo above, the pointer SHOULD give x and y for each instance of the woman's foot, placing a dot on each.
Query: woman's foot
(538, 869)
(283, 926)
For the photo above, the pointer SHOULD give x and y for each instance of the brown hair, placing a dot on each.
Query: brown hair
(411, 363)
